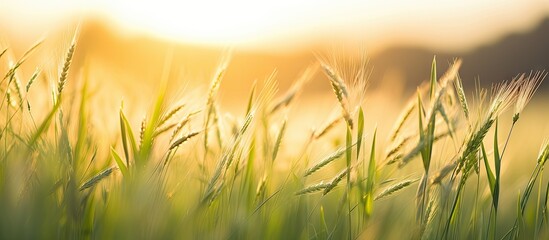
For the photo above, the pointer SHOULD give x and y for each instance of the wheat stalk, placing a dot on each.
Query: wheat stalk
(458, 85)
(97, 178)
(66, 67)
(183, 139)
(336, 181)
(527, 88)
(170, 114)
(395, 188)
(330, 158)
(313, 188)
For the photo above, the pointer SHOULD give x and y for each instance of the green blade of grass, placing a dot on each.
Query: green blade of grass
(126, 132)
(489, 173)
(82, 117)
(247, 184)
(433, 79)
(360, 132)
(421, 132)
(348, 157)
(497, 166)
(152, 124)
(370, 181)
(323, 221)
(348, 149)
(430, 139)
(529, 187)
(520, 217)
(120, 163)
(545, 216)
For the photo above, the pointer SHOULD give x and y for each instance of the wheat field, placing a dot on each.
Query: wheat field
(448, 163)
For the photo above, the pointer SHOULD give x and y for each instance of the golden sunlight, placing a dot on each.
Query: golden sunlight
(287, 24)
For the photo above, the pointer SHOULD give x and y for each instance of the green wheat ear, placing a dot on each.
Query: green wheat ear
(67, 64)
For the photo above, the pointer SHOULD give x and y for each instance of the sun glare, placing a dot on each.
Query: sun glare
(283, 23)
(212, 22)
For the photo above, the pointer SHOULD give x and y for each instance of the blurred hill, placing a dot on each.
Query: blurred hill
(502, 60)
(142, 58)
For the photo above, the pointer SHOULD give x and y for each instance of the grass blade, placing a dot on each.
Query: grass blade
(489, 173)
(123, 168)
(360, 132)
(497, 166)
(370, 181)
(433, 79)
(127, 132)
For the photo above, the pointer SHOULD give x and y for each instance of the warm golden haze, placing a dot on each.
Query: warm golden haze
(285, 25)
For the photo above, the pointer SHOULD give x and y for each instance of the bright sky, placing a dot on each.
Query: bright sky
(289, 24)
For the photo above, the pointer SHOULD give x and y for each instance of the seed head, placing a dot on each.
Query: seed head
(527, 86)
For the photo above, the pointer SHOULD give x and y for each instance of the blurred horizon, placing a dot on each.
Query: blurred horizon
(284, 26)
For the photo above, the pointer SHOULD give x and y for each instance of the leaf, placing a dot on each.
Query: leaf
(323, 220)
(349, 144)
(497, 165)
(433, 78)
(545, 212)
(489, 173)
(421, 133)
(152, 124)
(497, 158)
(82, 116)
(360, 132)
(127, 131)
(370, 181)
(120, 163)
